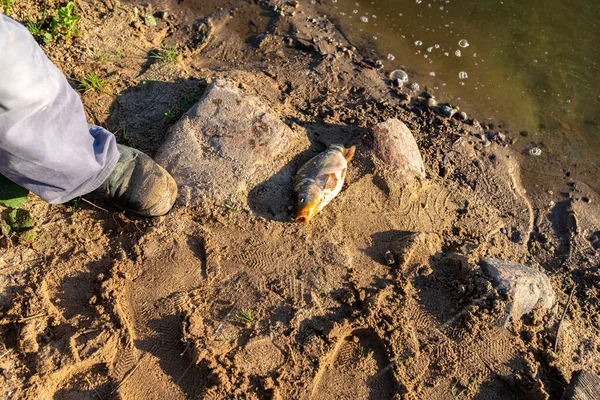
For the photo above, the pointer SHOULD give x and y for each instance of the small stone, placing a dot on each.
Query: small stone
(551, 204)
(447, 110)
(461, 115)
(430, 102)
(503, 231)
(161, 14)
(486, 143)
(389, 258)
(586, 199)
(294, 4)
(524, 133)
(524, 286)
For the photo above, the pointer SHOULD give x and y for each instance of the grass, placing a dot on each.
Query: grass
(230, 206)
(168, 115)
(364, 352)
(93, 83)
(6, 6)
(35, 27)
(245, 316)
(166, 54)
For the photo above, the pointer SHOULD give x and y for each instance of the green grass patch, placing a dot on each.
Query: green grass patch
(93, 83)
(166, 54)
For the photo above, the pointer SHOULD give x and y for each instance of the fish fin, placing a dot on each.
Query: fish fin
(344, 173)
(331, 182)
(349, 153)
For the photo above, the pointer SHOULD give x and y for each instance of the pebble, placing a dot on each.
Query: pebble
(551, 203)
(446, 110)
(430, 102)
(486, 143)
(461, 115)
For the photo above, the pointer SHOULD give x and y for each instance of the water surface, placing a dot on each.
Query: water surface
(528, 65)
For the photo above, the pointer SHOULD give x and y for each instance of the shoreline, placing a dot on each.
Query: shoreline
(229, 299)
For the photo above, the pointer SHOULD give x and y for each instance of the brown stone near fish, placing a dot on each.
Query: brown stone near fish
(394, 144)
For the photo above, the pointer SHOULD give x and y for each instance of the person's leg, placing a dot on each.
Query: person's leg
(47, 146)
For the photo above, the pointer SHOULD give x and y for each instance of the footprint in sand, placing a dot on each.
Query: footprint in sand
(357, 368)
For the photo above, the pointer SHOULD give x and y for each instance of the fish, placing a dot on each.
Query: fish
(320, 180)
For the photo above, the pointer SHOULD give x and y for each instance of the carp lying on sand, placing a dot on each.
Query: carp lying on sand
(320, 180)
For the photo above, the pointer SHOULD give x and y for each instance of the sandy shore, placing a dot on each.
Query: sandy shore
(234, 300)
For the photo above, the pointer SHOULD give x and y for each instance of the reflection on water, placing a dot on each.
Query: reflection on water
(533, 64)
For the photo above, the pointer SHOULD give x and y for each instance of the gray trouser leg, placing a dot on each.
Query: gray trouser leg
(46, 144)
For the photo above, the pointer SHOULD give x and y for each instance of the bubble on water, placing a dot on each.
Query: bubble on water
(462, 83)
(463, 43)
(334, 1)
(418, 1)
(441, 7)
(400, 14)
(457, 53)
(535, 151)
(355, 11)
(474, 54)
(463, 75)
(437, 46)
(357, 4)
(432, 73)
(342, 13)
(429, 49)
(535, 61)
(418, 43)
(446, 54)
(374, 16)
(391, 57)
(364, 19)
(425, 56)
(400, 75)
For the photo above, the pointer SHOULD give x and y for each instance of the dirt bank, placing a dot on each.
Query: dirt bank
(222, 300)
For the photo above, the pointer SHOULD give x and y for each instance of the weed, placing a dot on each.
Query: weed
(75, 203)
(246, 317)
(6, 6)
(93, 83)
(189, 100)
(454, 390)
(166, 54)
(63, 23)
(230, 206)
(125, 135)
(35, 27)
(322, 292)
(364, 352)
(168, 115)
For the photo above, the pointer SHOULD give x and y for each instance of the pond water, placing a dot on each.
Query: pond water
(530, 65)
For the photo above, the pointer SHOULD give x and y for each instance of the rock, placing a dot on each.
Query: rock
(430, 102)
(584, 386)
(524, 286)
(461, 116)
(447, 110)
(394, 144)
(228, 142)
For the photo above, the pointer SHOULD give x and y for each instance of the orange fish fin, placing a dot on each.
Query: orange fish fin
(349, 153)
(331, 181)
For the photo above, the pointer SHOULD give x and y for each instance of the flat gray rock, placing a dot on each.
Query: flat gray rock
(226, 144)
(394, 144)
(584, 386)
(524, 285)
